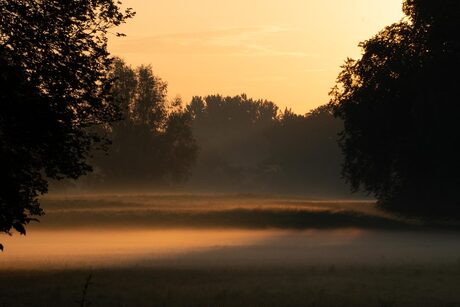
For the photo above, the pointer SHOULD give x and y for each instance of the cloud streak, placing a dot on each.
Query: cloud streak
(235, 42)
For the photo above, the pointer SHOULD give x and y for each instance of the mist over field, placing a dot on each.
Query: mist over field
(139, 247)
(156, 230)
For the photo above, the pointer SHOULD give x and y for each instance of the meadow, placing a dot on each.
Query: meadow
(228, 250)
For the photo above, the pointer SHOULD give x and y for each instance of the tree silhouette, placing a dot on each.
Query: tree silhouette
(248, 145)
(304, 149)
(54, 87)
(153, 143)
(233, 138)
(399, 103)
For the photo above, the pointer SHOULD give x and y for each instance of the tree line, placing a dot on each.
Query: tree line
(213, 143)
(251, 145)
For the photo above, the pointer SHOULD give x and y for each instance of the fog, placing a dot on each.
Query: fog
(162, 230)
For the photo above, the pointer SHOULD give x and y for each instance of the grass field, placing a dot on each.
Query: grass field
(408, 285)
(218, 250)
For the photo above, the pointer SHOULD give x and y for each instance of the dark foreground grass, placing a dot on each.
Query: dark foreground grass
(398, 285)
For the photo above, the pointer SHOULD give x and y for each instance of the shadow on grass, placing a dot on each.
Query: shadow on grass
(224, 211)
(232, 218)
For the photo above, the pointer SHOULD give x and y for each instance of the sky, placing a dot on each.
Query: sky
(286, 51)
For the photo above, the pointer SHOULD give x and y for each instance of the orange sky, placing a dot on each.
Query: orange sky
(287, 51)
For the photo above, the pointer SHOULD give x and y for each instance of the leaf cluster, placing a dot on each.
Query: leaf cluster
(399, 104)
(54, 86)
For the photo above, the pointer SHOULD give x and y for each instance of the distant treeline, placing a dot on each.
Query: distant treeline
(215, 143)
(250, 145)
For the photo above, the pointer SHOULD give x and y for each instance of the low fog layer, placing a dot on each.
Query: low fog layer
(216, 230)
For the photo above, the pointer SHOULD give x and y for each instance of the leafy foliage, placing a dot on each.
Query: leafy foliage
(399, 103)
(54, 86)
(249, 145)
(153, 144)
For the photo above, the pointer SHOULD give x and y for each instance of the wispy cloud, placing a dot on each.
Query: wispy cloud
(235, 41)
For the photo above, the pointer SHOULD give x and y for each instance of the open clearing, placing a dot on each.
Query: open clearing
(217, 250)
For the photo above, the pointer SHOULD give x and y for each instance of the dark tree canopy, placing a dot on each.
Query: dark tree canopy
(54, 87)
(153, 144)
(400, 107)
(24, 125)
(249, 145)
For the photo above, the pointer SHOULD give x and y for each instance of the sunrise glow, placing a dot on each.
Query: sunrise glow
(289, 52)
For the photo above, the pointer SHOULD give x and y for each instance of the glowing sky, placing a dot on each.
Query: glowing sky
(287, 51)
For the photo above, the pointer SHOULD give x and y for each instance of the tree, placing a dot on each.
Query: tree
(153, 143)
(248, 145)
(306, 155)
(232, 136)
(54, 88)
(399, 103)
(149, 106)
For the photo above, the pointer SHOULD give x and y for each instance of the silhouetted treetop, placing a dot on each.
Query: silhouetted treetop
(62, 47)
(399, 103)
(434, 13)
(153, 144)
(55, 86)
(150, 106)
(249, 145)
